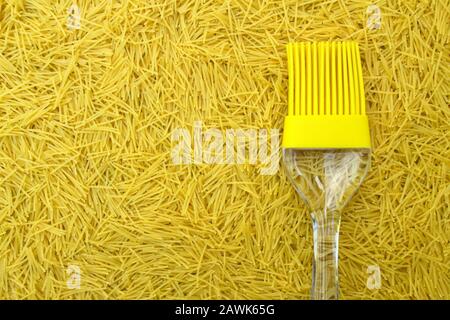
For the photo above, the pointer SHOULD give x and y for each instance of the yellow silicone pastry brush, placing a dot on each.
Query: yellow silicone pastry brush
(326, 144)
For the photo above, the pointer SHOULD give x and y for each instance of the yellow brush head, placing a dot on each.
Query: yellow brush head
(326, 97)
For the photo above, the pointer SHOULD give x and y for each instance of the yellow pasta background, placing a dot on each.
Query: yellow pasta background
(87, 179)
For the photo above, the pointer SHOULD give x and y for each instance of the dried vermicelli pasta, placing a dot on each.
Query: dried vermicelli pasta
(93, 206)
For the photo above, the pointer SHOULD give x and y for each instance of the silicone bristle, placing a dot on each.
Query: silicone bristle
(325, 79)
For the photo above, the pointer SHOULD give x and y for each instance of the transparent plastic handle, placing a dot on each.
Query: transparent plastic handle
(325, 278)
(326, 180)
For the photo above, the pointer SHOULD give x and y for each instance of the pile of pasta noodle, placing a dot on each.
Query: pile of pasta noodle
(93, 206)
